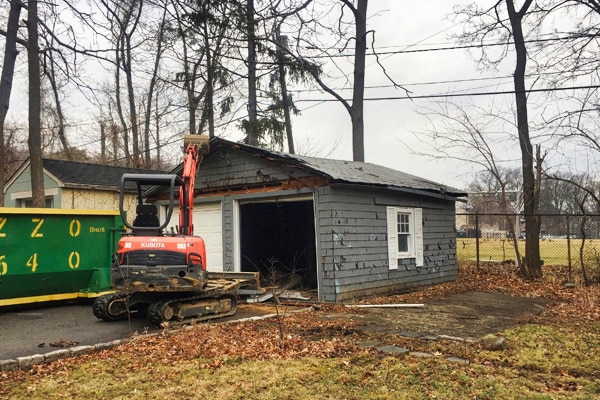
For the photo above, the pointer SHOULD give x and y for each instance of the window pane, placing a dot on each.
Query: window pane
(402, 243)
(403, 223)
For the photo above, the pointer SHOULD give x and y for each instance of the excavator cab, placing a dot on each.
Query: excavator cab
(146, 221)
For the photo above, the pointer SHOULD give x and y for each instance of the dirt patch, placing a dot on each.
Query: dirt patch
(465, 315)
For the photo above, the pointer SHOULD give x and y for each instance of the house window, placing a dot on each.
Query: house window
(405, 235)
(28, 203)
(404, 232)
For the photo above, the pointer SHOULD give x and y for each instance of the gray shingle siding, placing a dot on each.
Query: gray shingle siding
(234, 168)
(352, 230)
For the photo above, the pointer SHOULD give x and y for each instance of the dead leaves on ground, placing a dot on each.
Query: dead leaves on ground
(212, 345)
(258, 340)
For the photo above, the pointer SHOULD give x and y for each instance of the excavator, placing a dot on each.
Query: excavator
(164, 274)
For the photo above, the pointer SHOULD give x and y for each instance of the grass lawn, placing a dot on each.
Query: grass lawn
(552, 251)
(544, 361)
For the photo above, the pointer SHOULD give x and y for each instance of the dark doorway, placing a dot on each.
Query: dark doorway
(278, 240)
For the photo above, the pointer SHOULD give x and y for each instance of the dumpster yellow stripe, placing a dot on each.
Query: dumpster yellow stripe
(50, 297)
(56, 211)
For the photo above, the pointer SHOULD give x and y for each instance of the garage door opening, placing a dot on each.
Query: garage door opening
(278, 240)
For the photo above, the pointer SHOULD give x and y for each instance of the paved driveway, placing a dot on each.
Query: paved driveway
(42, 329)
(36, 329)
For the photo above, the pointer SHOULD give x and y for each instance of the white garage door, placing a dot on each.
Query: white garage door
(208, 225)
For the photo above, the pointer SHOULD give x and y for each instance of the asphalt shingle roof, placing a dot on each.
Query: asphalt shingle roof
(73, 173)
(352, 172)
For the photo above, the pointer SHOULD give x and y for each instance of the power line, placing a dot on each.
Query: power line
(433, 96)
(390, 86)
(321, 101)
(446, 48)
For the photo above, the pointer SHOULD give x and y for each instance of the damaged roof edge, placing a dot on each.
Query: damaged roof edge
(342, 171)
(353, 172)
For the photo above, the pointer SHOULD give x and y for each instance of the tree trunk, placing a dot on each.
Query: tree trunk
(133, 115)
(114, 134)
(158, 163)
(251, 128)
(102, 142)
(118, 102)
(360, 49)
(210, 85)
(62, 136)
(152, 87)
(35, 126)
(8, 69)
(284, 93)
(583, 236)
(531, 266)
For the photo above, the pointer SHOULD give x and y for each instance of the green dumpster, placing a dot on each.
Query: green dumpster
(55, 254)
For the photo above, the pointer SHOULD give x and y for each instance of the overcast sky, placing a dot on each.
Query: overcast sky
(391, 126)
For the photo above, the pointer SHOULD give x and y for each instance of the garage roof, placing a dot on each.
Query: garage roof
(351, 172)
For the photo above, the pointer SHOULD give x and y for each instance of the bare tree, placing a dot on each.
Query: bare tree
(207, 33)
(532, 266)
(160, 37)
(35, 126)
(138, 31)
(504, 20)
(251, 125)
(358, 93)
(346, 30)
(190, 65)
(126, 17)
(355, 108)
(571, 59)
(6, 80)
(467, 137)
(51, 75)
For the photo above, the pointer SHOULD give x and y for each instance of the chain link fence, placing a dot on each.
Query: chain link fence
(567, 241)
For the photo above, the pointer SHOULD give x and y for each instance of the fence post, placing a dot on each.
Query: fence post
(569, 246)
(477, 237)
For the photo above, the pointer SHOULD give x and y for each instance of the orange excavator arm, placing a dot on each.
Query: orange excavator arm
(196, 146)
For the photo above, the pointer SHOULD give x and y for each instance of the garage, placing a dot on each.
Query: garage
(277, 239)
(330, 226)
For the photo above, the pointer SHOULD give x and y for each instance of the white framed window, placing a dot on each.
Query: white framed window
(405, 235)
(28, 203)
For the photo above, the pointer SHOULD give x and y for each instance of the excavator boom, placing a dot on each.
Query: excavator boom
(195, 148)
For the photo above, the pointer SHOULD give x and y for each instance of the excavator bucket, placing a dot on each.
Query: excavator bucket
(199, 140)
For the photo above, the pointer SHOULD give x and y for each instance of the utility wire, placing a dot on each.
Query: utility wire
(442, 95)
